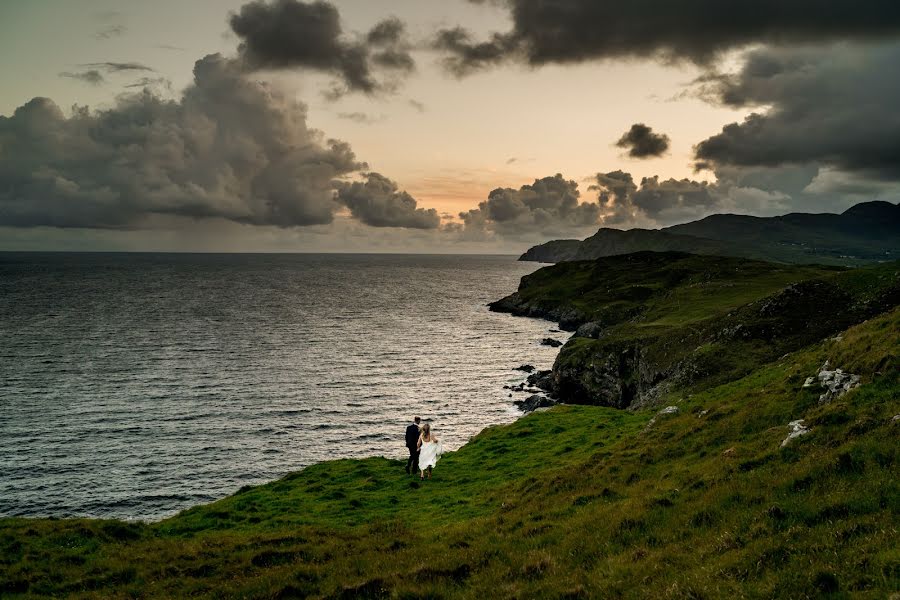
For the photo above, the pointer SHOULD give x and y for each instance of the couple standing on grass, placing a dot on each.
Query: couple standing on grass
(424, 448)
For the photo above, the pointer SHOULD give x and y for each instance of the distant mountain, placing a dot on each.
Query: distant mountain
(867, 232)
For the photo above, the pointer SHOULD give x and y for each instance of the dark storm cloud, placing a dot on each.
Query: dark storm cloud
(229, 148)
(549, 206)
(91, 76)
(642, 142)
(572, 31)
(835, 107)
(293, 34)
(380, 203)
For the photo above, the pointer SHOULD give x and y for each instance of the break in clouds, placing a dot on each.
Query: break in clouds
(825, 79)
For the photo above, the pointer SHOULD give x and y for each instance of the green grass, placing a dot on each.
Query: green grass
(575, 502)
(665, 322)
(664, 287)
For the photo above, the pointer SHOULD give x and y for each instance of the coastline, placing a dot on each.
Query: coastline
(759, 463)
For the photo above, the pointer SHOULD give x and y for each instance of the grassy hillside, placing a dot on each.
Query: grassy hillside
(650, 324)
(577, 502)
(865, 232)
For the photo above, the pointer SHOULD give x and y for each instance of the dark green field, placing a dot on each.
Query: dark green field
(575, 502)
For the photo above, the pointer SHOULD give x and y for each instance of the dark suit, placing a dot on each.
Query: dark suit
(412, 441)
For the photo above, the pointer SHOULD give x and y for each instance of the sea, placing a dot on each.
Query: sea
(135, 385)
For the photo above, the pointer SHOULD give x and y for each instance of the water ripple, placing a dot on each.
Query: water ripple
(134, 386)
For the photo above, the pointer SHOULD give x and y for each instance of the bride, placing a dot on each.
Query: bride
(430, 451)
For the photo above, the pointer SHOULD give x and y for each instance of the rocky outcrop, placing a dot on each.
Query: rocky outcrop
(542, 380)
(553, 343)
(534, 402)
(592, 329)
(614, 376)
(666, 412)
(836, 383)
(568, 318)
(797, 429)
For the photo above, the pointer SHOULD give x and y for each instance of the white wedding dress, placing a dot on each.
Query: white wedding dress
(429, 454)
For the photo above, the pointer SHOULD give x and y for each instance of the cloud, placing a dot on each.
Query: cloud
(117, 67)
(380, 203)
(229, 148)
(641, 142)
(110, 31)
(143, 82)
(763, 191)
(286, 34)
(832, 107)
(91, 76)
(548, 207)
(464, 55)
(361, 117)
(700, 31)
(112, 25)
(419, 106)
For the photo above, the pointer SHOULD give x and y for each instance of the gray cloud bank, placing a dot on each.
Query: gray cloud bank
(835, 107)
(379, 202)
(549, 206)
(572, 31)
(229, 148)
(309, 35)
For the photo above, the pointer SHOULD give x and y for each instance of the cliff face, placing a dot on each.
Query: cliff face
(648, 325)
(866, 233)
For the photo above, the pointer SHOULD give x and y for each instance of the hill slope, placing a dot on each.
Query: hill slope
(706, 500)
(649, 323)
(865, 233)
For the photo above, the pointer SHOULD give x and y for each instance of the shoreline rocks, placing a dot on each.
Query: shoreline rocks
(534, 402)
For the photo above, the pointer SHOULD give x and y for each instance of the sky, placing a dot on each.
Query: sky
(433, 126)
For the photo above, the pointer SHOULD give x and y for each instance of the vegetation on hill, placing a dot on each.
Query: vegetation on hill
(702, 501)
(651, 323)
(865, 233)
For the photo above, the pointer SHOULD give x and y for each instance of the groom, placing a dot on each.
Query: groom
(412, 442)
